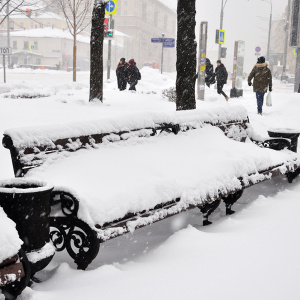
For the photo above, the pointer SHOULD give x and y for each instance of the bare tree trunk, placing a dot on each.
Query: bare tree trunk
(97, 37)
(74, 58)
(186, 55)
(75, 44)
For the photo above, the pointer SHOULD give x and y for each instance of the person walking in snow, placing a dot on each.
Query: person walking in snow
(262, 80)
(222, 75)
(121, 74)
(209, 73)
(133, 74)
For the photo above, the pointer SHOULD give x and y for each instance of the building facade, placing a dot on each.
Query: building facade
(143, 20)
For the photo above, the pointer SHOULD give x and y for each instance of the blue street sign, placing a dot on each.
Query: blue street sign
(110, 6)
(257, 49)
(169, 44)
(156, 40)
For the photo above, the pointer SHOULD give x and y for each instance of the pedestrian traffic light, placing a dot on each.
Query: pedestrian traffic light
(106, 23)
(109, 33)
(28, 12)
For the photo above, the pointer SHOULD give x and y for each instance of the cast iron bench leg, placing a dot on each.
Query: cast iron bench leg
(230, 200)
(207, 209)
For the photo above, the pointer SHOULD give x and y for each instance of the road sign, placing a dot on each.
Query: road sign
(32, 47)
(257, 49)
(111, 7)
(169, 43)
(5, 50)
(156, 40)
(295, 51)
(221, 36)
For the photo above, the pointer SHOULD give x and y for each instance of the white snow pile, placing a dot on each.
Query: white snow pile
(45, 135)
(10, 242)
(138, 174)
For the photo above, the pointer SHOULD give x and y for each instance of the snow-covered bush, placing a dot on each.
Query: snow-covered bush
(170, 94)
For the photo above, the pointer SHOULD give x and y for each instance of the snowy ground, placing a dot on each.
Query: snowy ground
(253, 254)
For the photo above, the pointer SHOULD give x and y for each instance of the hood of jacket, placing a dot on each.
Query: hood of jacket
(261, 65)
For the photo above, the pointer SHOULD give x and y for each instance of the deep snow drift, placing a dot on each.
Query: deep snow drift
(253, 254)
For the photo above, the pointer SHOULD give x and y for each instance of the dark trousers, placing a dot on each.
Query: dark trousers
(260, 101)
(132, 85)
(220, 89)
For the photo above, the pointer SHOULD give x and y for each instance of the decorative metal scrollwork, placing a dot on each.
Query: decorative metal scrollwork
(69, 204)
(275, 144)
(77, 237)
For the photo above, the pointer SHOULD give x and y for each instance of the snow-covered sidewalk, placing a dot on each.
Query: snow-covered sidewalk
(253, 254)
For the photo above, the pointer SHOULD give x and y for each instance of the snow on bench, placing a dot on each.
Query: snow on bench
(125, 177)
(11, 268)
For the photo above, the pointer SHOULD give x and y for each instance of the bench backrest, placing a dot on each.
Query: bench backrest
(26, 156)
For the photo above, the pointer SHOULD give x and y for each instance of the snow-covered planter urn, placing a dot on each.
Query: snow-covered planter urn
(27, 203)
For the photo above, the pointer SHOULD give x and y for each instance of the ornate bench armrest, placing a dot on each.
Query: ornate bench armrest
(275, 144)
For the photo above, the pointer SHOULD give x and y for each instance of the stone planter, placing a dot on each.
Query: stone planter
(27, 203)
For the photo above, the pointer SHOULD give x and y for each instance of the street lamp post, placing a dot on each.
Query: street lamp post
(270, 27)
(221, 25)
(287, 22)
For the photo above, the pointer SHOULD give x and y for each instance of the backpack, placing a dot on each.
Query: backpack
(139, 76)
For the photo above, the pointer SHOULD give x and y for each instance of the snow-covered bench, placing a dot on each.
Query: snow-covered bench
(126, 175)
(14, 266)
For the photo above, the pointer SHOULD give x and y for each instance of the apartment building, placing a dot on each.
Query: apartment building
(143, 20)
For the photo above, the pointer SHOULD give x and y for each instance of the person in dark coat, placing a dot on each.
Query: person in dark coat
(222, 75)
(262, 80)
(121, 74)
(133, 74)
(209, 73)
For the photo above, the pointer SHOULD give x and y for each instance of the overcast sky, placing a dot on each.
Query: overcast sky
(240, 23)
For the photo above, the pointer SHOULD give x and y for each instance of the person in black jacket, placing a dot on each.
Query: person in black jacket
(121, 74)
(133, 74)
(209, 73)
(222, 75)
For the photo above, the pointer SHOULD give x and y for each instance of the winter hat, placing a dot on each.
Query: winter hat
(122, 59)
(261, 60)
(219, 61)
(131, 61)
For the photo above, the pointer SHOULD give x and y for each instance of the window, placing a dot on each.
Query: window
(22, 25)
(12, 25)
(32, 25)
(36, 45)
(38, 61)
(48, 25)
(125, 13)
(41, 25)
(25, 61)
(26, 46)
(15, 45)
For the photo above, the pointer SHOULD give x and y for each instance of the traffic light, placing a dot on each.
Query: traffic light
(106, 24)
(109, 33)
(108, 28)
(28, 12)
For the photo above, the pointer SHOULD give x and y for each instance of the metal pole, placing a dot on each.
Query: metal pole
(202, 61)
(269, 37)
(162, 52)
(8, 31)
(286, 38)
(297, 73)
(109, 51)
(4, 69)
(221, 27)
